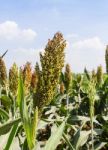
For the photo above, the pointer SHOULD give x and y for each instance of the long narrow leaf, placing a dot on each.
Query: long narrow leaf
(20, 98)
(68, 142)
(26, 120)
(11, 137)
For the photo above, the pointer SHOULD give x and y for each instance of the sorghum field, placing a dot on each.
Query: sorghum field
(46, 108)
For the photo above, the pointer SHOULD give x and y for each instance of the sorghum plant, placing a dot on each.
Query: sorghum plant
(91, 96)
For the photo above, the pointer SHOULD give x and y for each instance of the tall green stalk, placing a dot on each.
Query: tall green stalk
(106, 59)
(91, 95)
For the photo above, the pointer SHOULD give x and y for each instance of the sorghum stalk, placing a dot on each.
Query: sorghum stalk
(13, 85)
(106, 59)
(91, 95)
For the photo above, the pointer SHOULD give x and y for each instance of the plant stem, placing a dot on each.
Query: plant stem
(67, 103)
(92, 133)
(0, 94)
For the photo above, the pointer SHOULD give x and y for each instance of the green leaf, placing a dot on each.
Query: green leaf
(79, 118)
(6, 101)
(80, 138)
(11, 137)
(26, 118)
(55, 138)
(4, 114)
(7, 126)
(99, 145)
(68, 142)
(20, 97)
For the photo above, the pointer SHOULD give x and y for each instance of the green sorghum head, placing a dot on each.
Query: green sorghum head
(68, 77)
(52, 62)
(13, 79)
(3, 73)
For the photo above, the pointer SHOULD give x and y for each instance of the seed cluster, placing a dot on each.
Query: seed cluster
(68, 77)
(52, 62)
(13, 79)
(27, 76)
(99, 74)
(3, 73)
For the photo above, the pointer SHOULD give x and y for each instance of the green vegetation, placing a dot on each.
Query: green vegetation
(49, 109)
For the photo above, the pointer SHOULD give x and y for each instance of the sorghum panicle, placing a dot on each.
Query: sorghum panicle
(34, 81)
(27, 75)
(94, 75)
(68, 77)
(52, 62)
(3, 73)
(99, 74)
(62, 88)
(13, 79)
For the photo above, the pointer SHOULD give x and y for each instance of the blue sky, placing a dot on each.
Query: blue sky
(26, 25)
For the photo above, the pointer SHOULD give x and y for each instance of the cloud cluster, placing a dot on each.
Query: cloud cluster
(89, 43)
(80, 53)
(10, 30)
(88, 52)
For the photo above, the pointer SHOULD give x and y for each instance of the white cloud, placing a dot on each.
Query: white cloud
(90, 43)
(10, 30)
(22, 55)
(89, 53)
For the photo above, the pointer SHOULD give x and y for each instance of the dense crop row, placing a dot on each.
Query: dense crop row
(48, 109)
